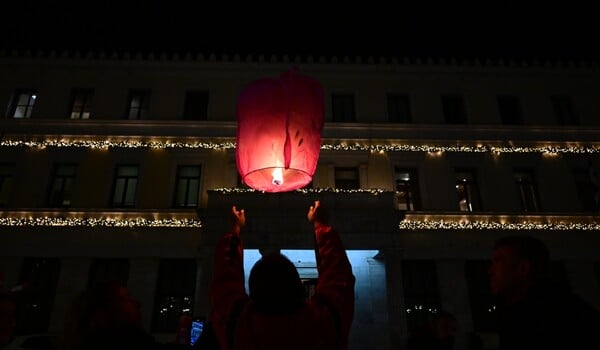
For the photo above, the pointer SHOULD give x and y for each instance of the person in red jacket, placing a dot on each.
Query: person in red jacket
(276, 314)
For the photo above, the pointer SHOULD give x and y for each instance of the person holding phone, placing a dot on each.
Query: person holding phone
(276, 314)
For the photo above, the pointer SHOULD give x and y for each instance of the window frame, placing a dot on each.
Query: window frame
(510, 109)
(413, 199)
(141, 112)
(470, 188)
(121, 204)
(178, 177)
(527, 188)
(51, 193)
(192, 105)
(454, 109)
(343, 108)
(346, 168)
(396, 114)
(32, 97)
(87, 98)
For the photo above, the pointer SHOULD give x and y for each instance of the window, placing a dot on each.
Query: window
(82, 104)
(196, 105)
(187, 186)
(482, 303)
(34, 303)
(466, 188)
(453, 107)
(138, 104)
(22, 104)
(347, 178)
(105, 270)
(398, 108)
(563, 110)
(343, 108)
(421, 293)
(407, 189)
(526, 190)
(61, 188)
(125, 186)
(510, 110)
(174, 293)
(588, 188)
(7, 179)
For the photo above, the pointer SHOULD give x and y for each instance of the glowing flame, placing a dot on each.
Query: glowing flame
(277, 177)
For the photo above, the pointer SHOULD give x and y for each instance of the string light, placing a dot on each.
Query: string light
(102, 222)
(493, 225)
(431, 149)
(236, 190)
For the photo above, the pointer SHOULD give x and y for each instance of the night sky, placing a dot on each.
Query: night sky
(423, 28)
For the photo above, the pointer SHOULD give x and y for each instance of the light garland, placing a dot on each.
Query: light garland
(237, 190)
(102, 222)
(491, 225)
(105, 144)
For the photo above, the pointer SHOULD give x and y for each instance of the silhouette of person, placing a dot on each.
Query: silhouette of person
(8, 318)
(106, 316)
(276, 314)
(533, 312)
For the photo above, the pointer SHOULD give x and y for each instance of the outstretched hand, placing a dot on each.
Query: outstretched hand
(317, 214)
(239, 219)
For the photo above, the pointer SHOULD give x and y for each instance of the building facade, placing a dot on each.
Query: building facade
(122, 166)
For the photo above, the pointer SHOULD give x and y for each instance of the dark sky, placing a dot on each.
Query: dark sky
(421, 28)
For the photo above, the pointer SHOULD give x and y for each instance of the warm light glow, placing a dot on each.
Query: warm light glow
(92, 222)
(551, 151)
(493, 225)
(277, 177)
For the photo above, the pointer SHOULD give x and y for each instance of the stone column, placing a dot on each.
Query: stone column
(72, 280)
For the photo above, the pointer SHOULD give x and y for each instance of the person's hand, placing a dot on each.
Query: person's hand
(317, 214)
(239, 219)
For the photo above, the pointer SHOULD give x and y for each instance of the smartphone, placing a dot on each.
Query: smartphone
(196, 329)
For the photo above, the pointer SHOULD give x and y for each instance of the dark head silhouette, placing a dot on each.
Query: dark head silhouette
(275, 285)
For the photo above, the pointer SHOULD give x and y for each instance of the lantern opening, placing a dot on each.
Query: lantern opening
(268, 180)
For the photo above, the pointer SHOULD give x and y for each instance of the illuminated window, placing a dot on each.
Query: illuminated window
(7, 179)
(398, 108)
(82, 103)
(139, 102)
(421, 293)
(22, 103)
(509, 108)
(195, 105)
(34, 304)
(61, 188)
(563, 110)
(347, 178)
(103, 270)
(174, 293)
(342, 107)
(125, 186)
(187, 186)
(466, 189)
(526, 190)
(407, 189)
(453, 107)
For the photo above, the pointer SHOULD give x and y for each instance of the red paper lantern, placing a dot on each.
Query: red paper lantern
(279, 132)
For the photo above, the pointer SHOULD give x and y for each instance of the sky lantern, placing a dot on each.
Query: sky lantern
(279, 132)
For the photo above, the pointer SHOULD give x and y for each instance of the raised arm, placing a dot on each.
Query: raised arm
(227, 290)
(335, 285)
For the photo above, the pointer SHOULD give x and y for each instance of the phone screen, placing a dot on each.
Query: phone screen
(196, 330)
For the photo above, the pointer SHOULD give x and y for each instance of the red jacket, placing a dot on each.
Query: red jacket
(323, 323)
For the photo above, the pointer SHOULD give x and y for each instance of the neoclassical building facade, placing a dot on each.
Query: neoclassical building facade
(122, 166)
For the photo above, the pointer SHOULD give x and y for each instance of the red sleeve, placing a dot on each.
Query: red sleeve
(336, 281)
(227, 290)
